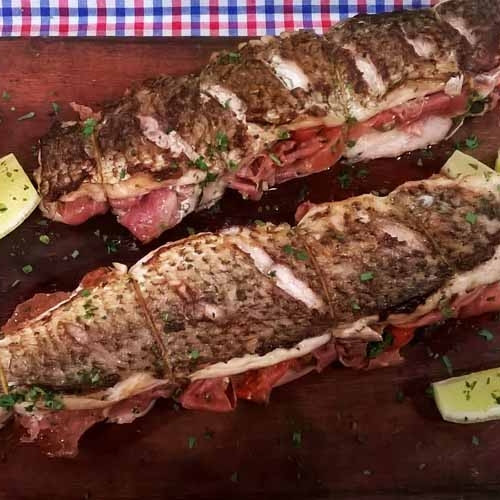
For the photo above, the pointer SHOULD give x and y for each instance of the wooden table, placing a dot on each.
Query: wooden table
(358, 440)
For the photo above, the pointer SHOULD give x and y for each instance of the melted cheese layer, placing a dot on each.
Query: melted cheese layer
(254, 361)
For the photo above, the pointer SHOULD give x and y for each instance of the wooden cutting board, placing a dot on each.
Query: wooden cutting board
(357, 439)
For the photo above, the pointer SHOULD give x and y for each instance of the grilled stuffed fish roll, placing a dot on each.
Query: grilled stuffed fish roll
(219, 317)
(272, 110)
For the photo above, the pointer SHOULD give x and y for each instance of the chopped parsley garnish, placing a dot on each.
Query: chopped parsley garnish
(234, 57)
(7, 401)
(221, 141)
(191, 230)
(88, 127)
(471, 218)
(27, 116)
(275, 159)
(299, 254)
(191, 442)
(472, 142)
(283, 135)
(5, 96)
(233, 166)
(297, 439)
(375, 348)
(55, 107)
(429, 392)
(344, 178)
(50, 400)
(227, 104)
(85, 293)
(90, 309)
(200, 164)
(448, 365)
(366, 276)
(272, 274)
(3, 207)
(123, 173)
(355, 306)
(446, 310)
(486, 334)
(259, 222)
(351, 120)
(112, 246)
(90, 377)
(475, 440)
(362, 172)
(211, 177)
(28, 268)
(194, 354)
(351, 144)
(44, 239)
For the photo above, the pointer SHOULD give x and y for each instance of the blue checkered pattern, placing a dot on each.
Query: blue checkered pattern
(181, 18)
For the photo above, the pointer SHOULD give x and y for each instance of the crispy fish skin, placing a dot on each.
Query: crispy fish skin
(212, 298)
(195, 135)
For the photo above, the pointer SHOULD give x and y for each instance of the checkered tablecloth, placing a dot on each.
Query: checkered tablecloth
(181, 18)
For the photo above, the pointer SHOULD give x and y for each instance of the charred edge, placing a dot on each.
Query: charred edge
(154, 330)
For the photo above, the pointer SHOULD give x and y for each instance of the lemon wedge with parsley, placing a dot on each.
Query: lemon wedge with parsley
(470, 398)
(18, 197)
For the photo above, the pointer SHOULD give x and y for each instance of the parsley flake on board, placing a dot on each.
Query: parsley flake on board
(486, 334)
(27, 269)
(297, 439)
(448, 364)
(44, 239)
(55, 107)
(472, 142)
(27, 116)
(191, 442)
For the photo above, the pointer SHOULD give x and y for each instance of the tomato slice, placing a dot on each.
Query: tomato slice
(402, 336)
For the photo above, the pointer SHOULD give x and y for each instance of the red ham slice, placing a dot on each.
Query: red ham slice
(58, 432)
(212, 394)
(147, 217)
(80, 210)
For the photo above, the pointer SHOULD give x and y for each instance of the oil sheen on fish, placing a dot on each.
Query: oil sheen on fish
(273, 110)
(219, 317)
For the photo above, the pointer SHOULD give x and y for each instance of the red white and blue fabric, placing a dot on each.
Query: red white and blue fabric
(182, 18)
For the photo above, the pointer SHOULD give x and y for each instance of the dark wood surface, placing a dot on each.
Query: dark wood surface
(358, 441)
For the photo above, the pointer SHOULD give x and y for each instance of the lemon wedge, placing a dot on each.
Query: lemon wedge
(18, 197)
(470, 398)
(459, 164)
